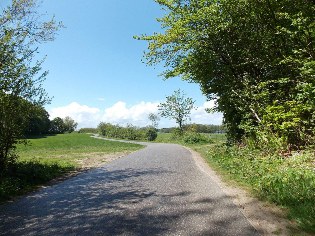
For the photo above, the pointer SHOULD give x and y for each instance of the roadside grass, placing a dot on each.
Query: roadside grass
(48, 157)
(288, 182)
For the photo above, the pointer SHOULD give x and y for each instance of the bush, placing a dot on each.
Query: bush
(193, 138)
(151, 134)
(130, 132)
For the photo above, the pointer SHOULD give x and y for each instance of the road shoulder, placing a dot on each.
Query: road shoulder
(266, 218)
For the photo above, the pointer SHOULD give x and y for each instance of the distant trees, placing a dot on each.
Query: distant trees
(69, 124)
(61, 126)
(21, 31)
(199, 128)
(129, 132)
(177, 107)
(255, 57)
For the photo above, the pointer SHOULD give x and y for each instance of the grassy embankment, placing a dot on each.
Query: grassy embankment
(49, 157)
(288, 182)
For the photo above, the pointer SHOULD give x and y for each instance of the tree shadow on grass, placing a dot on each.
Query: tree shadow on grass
(41, 136)
(22, 177)
(119, 202)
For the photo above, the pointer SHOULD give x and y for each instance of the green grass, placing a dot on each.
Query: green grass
(287, 182)
(49, 157)
(69, 147)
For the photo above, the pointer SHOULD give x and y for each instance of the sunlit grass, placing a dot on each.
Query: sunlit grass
(48, 157)
(62, 147)
(288, 182)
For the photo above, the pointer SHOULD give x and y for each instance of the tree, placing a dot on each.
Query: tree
(57, 126)
(177, 107)
(21, 31)
(69, 124)
(255, 57)
(154, 118)
(38, 122)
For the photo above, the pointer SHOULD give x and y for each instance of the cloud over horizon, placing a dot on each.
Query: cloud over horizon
(122, 114)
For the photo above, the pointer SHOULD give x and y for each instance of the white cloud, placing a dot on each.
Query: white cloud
(200, 116)
(85, 116)
(120, 113)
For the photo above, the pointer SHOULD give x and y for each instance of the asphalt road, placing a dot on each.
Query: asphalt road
(156, 191)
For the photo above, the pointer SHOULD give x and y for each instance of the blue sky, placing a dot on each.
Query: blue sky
(95, 68)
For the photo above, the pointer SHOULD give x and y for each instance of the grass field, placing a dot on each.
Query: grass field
(69, 147)
(48, 157)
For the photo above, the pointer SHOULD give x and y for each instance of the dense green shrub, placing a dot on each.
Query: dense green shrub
(193, 137)
(129, 132)
(151, 134)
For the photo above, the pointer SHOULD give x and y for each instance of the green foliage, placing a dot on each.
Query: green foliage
(21, 31)
(57, 126)
(129, 132)
(69, 124)
(88, 130)
(154, 118)
(288, 182)
(193, 138)
(61, 126)
(151, 134)
(199, 128)
(177, 107)
(255, 57)
(12, 123)
(38, 122)
(202, 128)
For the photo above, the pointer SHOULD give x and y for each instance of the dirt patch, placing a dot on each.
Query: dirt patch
(93, 160)
(88, 162)
(268, 219)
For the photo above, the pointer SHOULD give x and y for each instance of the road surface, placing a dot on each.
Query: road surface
(158, 190)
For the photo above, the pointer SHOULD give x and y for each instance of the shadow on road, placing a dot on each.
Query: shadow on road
(115, 202)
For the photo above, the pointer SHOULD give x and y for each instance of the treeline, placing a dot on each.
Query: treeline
(38, 123)
(129, 132)
(256, 58)
(198, 128)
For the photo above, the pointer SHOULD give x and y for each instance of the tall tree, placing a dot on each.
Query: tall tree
(177, 107)
(255, 57)
(154, 118)
(38, 122)
(57, 126)
(21, 32)
(69, 124)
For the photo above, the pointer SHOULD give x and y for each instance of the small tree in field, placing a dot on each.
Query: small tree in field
(154, 118)
(177, 107)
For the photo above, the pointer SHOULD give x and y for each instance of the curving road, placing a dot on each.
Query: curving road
(158, 190)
